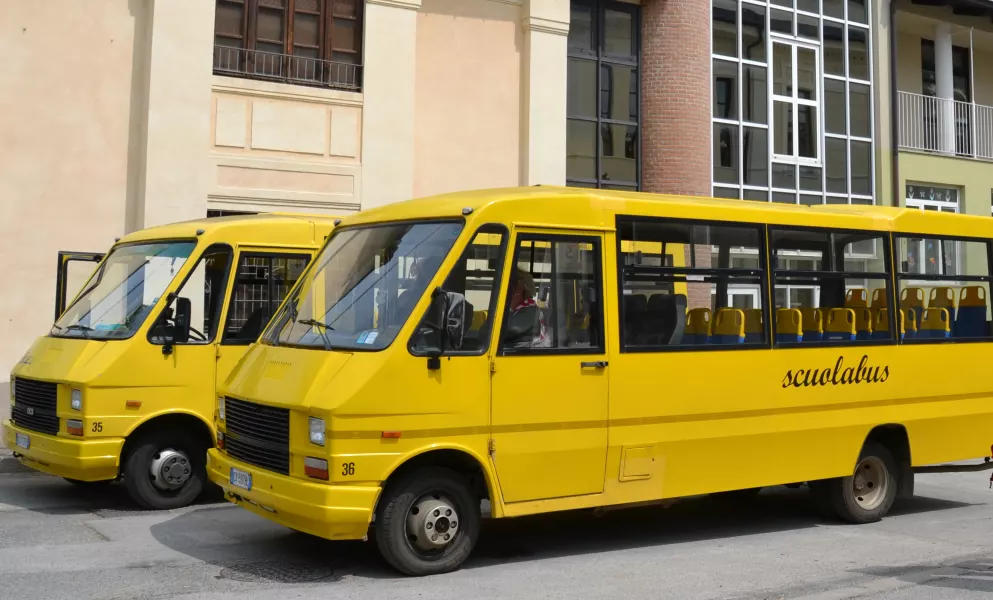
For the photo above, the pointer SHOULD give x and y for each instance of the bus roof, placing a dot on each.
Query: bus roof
(551, 206)
(259, 230)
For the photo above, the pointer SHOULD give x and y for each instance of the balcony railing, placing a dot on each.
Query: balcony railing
(944, 126)
(298, 70)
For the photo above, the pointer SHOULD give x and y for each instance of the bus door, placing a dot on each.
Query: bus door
(74, 270)
(261, 282)
(549, 382)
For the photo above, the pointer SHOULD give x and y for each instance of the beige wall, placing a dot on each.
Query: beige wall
(64, 141)
(971, 177)
(468, 95)
(284, 147)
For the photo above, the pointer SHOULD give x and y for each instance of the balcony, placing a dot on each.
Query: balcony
(284, 68)
(944, 126)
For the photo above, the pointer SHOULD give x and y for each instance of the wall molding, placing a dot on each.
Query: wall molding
(401, 4)
(550, 26)
(284, 91)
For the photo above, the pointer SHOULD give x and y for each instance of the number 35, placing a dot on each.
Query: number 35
(348, 469)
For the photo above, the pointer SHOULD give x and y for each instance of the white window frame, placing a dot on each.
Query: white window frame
(795, 101)
(938, 206)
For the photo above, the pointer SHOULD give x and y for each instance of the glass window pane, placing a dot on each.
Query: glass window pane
(581, 97)
(725, 153)
(723, 192)
(618, 33)
(753, 34)
(836, 161)
(306, 29)
(858, 57)
(782, 129)
(725, 89)
(834, 8)
(581, 27)
(230, 19)
(270, 25)
(808, 27)
(807, 140)
(834, 49)
(806, 73)
(811, 200)
(783, 198)
(810, 179)
(755, 155)
(857, 11)
(725, 27)
(836, 200)
(861, 105)
(344, 35)
(781, 22)
(755, 94)
(581, 150)
(786, 3)
(342, 8)
(782, 69)
(618, 92)
(834, 106)
(809, 5)
(861, 168)
(756, 195)
(620, 152)
(784, 176)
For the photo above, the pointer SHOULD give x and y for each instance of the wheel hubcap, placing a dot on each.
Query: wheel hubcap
(170, 469)
(869, 483)
(432, 522)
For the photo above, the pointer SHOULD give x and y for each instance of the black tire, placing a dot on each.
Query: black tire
(399, 499)
(868, 504)
(137, 465)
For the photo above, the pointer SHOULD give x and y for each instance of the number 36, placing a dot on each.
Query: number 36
(348, 468)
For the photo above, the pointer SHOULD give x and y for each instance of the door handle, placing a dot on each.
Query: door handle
(596, 364)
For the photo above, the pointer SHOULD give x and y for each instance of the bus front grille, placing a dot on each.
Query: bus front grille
(258, 435)
(35, 406)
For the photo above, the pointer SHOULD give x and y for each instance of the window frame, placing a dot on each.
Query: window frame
(891, 284)
(244, 254)
(763, 275)
(957, 280)
(222, 313)
(602, 59)
(795, 102)
(504, 231)
(598, 241)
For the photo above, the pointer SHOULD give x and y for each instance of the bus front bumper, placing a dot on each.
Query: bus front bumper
(83, 460)
(334, 512)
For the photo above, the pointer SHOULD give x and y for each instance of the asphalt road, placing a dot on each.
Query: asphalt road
(56, 543)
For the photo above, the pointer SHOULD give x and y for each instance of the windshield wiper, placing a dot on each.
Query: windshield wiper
(81, 328)
(323, 327)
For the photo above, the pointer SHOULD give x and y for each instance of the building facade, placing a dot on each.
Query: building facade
(123, 114)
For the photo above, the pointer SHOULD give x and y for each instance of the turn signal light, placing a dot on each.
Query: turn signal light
(220, 440)
(316, 468)
(74, 427)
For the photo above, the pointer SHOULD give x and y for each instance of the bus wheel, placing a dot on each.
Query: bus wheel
(868, 493)
(427, 522)
(165, 470)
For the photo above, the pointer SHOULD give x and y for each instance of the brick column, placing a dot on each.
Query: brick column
(676, 97)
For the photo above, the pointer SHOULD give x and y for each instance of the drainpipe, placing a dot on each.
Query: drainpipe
(894, 111)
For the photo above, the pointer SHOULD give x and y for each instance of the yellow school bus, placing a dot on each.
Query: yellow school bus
(548, 349)
(123, 386)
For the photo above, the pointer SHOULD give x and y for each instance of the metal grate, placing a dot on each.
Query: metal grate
(301, 70)
(36, 406)
(258, 435)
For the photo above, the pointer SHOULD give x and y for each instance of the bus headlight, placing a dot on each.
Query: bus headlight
(316, 431)
(220, 408)
(76, 400)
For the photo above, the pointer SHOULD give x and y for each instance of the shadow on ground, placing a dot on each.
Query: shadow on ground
(258, 550)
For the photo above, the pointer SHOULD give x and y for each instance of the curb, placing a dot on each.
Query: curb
(9, 464)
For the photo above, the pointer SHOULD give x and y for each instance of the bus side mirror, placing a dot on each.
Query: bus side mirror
(182, 320)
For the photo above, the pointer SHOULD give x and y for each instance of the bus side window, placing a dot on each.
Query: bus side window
(204, 288)
(476, 276)
(261, 283)
(837, 280)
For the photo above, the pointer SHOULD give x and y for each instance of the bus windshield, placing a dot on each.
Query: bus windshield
(363, 286)
(117, 299)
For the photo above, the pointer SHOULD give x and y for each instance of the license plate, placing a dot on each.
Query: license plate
(241, 479)
(22, 441)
